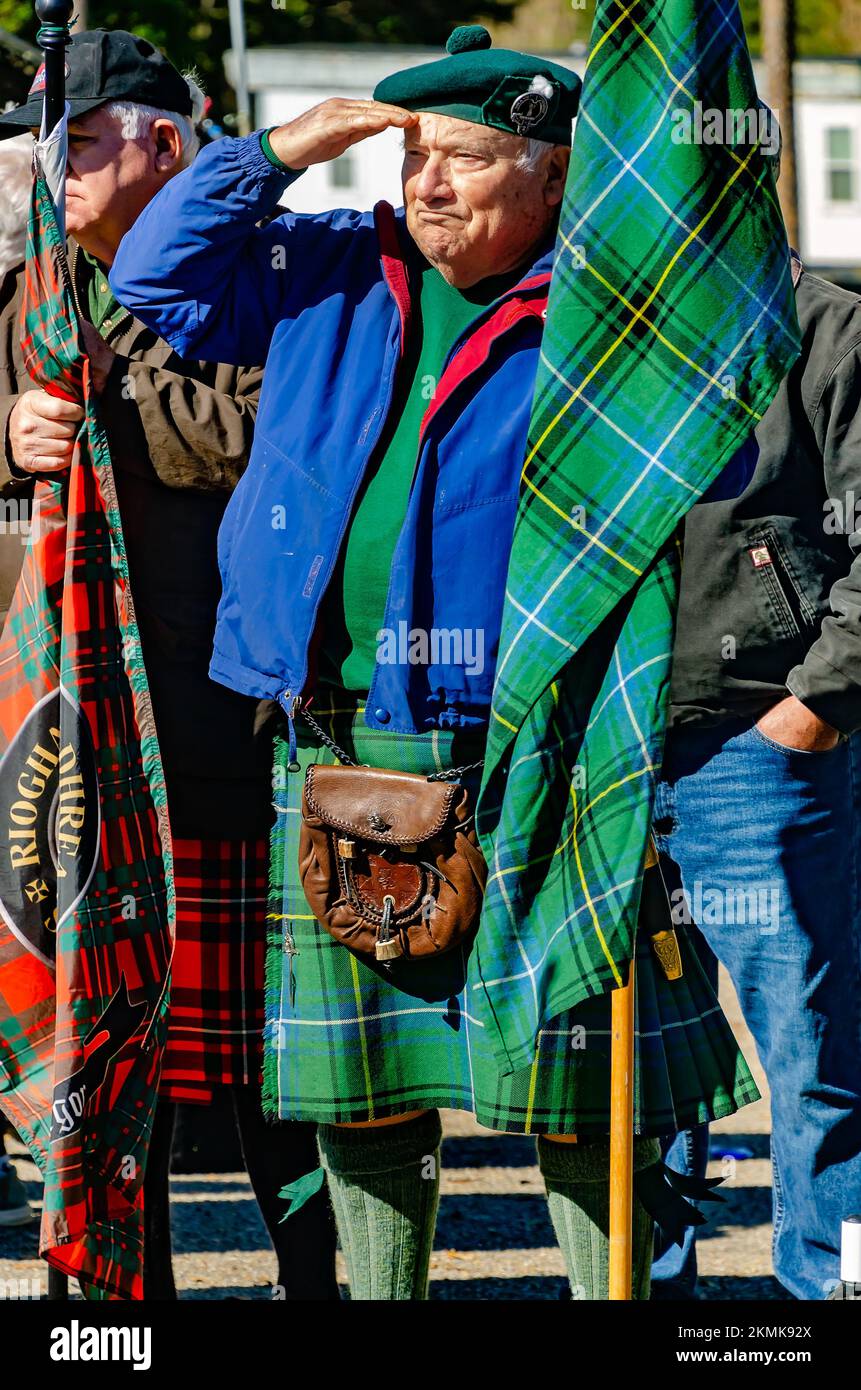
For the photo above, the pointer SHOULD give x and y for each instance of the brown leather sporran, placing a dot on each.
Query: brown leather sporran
(390, 861)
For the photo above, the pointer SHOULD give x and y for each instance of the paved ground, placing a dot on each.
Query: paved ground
(494, 1239)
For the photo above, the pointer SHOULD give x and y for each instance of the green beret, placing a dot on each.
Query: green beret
(497, 87)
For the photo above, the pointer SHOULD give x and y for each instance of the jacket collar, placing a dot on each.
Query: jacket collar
(401, 261)
(81, 271)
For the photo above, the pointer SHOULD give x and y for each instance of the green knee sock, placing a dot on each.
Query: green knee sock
(384, 1184)
(577, 1179)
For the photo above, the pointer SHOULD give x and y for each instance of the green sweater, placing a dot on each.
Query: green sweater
(355, 603)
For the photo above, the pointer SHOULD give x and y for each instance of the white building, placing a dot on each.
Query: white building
(285, 81)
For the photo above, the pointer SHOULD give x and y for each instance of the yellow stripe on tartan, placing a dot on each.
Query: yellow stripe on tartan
(533, 1086)
(614, 786)
(612, 29)
(638, 315)
(575, 525)
(357, 991)
(679, 86)
(589, 903)
(290, 916)
(520, 868)
(677, 352)
(502, 721)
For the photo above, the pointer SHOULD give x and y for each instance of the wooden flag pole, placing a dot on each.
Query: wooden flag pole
(622, 1140)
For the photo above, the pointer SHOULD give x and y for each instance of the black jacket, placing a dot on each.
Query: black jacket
(771, 581)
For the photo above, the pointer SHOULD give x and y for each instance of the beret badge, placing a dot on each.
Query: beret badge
(530, 109)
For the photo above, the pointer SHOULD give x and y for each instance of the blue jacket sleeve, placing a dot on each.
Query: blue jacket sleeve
(198, 270)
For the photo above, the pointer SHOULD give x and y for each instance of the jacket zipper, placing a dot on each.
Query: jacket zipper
(73, 260)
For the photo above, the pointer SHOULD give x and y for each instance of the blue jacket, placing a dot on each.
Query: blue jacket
(328, 299)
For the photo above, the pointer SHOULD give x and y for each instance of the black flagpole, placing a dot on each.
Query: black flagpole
(54, 17)
(53, 36)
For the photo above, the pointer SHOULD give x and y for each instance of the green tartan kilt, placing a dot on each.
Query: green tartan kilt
(345, 1041)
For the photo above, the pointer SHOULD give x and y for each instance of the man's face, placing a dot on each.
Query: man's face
(470, 209)
(110, 179)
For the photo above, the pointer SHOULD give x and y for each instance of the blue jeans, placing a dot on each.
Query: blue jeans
(767, 842)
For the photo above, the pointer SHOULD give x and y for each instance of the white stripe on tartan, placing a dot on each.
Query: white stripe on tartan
(650, 1033)
(644, 666)
(530, 970)
(531, 618)
(629, 166)
(631, 716)
(35, 642)
(617, 429)
(369, 1018)
(601, 897)
(680, 82)
(563, 641)
(464, 956)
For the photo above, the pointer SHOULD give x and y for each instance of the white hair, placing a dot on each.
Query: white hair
(136, 120)
(16, 179)
(533, 155)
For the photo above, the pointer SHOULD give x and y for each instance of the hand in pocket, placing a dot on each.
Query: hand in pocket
(793, 725)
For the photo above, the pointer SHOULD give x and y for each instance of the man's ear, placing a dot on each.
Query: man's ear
(555, 175)
(167, 144)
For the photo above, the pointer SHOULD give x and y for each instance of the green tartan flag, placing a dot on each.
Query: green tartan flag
(670, 325)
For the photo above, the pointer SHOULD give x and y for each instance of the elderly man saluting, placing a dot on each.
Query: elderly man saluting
(375, 519)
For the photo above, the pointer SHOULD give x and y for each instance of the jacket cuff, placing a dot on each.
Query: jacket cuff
(265, 166)
(827, 693)
(266, 147)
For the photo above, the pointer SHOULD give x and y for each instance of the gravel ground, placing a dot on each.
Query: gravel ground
(494, 1239)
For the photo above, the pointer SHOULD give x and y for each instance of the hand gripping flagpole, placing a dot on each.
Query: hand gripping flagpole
(54, 18)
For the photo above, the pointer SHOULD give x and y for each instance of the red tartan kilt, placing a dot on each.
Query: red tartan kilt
(216, 1016)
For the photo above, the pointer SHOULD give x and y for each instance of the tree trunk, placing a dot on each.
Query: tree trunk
(778, 51)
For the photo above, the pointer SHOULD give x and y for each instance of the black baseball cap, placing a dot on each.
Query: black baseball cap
(106, 65)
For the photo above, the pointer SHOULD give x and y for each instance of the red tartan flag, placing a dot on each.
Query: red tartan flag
(86, 883)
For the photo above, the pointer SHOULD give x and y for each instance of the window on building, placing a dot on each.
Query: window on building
(839, 165)
(342, 171)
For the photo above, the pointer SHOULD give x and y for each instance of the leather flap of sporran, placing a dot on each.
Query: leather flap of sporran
(391, 808)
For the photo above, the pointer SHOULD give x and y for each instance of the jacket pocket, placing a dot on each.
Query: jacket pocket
(787, 601)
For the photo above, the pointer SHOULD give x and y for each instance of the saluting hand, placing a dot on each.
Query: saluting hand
(329, 129)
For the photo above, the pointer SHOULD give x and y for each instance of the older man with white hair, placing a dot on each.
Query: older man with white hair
(180, 432)
(364, 558)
